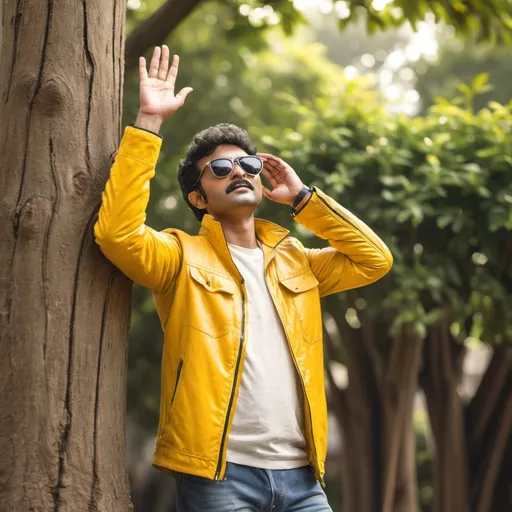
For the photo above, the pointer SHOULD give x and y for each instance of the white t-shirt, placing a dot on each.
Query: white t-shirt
(267, 425)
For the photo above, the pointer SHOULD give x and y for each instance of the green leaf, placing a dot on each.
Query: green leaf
(480, 81)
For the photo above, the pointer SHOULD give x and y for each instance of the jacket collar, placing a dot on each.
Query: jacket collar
(267, 232)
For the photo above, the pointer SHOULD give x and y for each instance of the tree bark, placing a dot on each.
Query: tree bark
(489, 428)
(64, 311)
(156, 28)
(502, 499)
(440, 378)
(398, 388)
(375, 416)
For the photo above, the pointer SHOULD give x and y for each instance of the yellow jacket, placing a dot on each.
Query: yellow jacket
(201, 301)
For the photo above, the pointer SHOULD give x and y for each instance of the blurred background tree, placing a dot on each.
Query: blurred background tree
(342, 107)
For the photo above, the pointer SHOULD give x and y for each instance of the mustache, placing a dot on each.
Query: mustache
(236, 183)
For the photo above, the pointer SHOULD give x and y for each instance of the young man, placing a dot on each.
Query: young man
(243, 419)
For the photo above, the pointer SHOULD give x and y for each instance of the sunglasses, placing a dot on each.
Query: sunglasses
(223, 167)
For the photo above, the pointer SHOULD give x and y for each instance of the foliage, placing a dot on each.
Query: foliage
(250, 19)
(436, 188)
(491, 20)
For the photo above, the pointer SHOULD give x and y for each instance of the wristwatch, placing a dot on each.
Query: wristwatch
(300, 196)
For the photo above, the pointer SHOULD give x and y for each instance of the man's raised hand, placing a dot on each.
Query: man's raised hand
(285, 182)
(157, 97)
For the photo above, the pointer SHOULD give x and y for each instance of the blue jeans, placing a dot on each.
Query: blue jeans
(248, 489)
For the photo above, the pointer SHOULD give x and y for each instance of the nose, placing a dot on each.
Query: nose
(238, 172)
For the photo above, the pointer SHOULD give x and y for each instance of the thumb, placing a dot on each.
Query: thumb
(182, 95)
(266, 192)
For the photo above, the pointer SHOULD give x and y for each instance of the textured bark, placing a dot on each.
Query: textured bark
(489, 428)
(471, 466)
(406, 497)
(440, 378)
(64, 311)
(156, 28)
(375, 415)
(398, 389)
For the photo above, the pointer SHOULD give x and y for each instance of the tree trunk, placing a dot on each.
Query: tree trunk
(502, 499)
(64, 311)
(440, 378)
(406, 497)
(375, 416)
(398, 389)
(489, 428)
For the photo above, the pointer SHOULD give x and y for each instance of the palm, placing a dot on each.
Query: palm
(157, 95)
(283, 179)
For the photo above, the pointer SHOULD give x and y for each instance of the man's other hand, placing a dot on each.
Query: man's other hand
(285, 182)
(157, 97)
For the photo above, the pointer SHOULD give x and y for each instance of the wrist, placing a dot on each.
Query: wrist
(301, 199)
(294, 193)
(150, 122)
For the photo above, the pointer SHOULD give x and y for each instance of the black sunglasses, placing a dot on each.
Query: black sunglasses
(223, 167)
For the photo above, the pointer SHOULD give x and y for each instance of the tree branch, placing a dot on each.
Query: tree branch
(337, 398)
(481, 408)
(489, 470)
(154, 30)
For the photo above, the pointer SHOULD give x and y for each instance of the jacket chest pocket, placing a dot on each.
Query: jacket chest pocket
(211, 308)
(302, 289)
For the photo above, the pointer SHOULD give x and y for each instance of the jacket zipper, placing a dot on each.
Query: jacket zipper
(233, 388)
(308, 404)
(178, 375)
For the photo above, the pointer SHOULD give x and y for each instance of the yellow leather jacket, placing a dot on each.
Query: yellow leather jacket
(201, 301)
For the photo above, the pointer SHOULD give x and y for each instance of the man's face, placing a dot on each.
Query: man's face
(225, 199)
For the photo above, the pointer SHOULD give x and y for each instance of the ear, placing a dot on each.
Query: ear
(197, 199)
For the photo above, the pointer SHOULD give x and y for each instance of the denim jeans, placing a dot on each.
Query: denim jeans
(248, 489)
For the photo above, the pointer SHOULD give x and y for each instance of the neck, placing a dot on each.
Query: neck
(240, 232)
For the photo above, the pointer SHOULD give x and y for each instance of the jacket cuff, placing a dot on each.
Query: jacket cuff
(141, 145)
(145, 130)
(308, 213)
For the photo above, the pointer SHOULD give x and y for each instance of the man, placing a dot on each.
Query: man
(243, 420)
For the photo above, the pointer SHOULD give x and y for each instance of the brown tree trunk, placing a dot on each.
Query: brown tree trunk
(64, 311)
(502, 499)
(406, 497)
(442, 371)
(489, 428)
(398, 388)
(375, 415)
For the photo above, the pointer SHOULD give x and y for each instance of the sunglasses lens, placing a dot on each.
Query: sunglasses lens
(251, 165)
(221, 167)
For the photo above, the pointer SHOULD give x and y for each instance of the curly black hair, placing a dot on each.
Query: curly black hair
(203, 144)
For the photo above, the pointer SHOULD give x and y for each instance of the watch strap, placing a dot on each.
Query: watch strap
(300, 196)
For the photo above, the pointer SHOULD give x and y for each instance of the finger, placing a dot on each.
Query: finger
(173, 71)
(143, 72)
(274, 165)
(266, 192)
(272, 169)
(164, 63)
(182, 95)
(269, 177)
(278, 170)
(269, 157)
(155, 61)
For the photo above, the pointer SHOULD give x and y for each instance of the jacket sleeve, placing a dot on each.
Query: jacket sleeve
(357, 256)
(146, 256)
